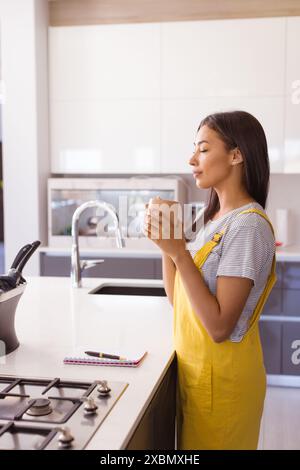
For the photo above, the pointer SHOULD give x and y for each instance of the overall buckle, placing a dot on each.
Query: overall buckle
(217, 237)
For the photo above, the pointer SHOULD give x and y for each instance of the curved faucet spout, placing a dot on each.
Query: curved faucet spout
(76, 265)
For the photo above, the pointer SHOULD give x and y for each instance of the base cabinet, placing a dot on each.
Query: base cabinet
(156, 429)
(280, 325)
(126, 268)
(291, 350)
(271, 340)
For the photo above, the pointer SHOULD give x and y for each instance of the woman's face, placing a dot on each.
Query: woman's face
(210, 160)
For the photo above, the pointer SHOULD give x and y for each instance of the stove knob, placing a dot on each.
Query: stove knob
(90, 406)
(65, 437)
(103, 389)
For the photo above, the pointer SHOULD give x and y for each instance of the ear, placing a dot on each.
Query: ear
(236, 157)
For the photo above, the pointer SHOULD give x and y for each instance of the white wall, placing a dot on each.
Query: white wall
(24, 29)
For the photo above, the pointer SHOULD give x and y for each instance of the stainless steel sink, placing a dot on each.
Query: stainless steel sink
(123, 289)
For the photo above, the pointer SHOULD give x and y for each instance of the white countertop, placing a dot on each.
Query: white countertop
(52, 319)
(110, 252)
(289, 253)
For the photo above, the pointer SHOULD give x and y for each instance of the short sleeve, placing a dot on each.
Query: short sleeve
(245, 253)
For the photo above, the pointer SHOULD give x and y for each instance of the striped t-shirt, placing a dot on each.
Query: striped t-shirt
(245, 250)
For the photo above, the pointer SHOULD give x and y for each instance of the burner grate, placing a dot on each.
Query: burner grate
(53, 413)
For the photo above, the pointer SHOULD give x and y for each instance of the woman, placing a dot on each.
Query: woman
(218, 284)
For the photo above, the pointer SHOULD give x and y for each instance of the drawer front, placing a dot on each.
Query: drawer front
(279, 270)
(291, 348)
(270, 334)
(291, 302)
(55, 265)
(158, 269)
(273, 305)
(137, 268)
(291, 276)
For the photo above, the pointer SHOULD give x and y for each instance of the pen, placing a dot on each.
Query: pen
(108, 356)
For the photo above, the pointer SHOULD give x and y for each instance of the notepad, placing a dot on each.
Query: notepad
(133, 358)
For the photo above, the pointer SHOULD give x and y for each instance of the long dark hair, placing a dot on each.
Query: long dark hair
(241, 129)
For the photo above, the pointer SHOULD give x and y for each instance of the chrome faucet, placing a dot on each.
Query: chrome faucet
(77, 265)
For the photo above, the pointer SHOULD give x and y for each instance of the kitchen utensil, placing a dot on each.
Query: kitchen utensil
(14, 276)
(20, 255)
(34, 246)
(6, 281)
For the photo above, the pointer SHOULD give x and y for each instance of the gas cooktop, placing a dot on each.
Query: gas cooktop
(41, 413)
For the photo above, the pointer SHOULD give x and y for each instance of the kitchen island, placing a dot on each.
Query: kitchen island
(53, 320)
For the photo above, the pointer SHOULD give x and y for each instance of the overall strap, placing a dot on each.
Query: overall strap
(257, 211)
(270, 281)
(202, 254)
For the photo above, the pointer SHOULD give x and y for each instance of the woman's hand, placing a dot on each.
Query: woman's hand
(163, 225)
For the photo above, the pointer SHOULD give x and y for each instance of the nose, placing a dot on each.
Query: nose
(193, 159)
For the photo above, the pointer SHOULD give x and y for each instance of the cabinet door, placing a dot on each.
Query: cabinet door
(156, 429)
(291, 276)
(291, 302)
(273, 306)
(180, 119)
(271, 334)
(279, 274)
(292, 102)
(105, 137)
(291, 289)
(104, 98)
(103, 62)
(223, 58)
(199, 77)
(127, 268)
(291, 348)
(158, 269)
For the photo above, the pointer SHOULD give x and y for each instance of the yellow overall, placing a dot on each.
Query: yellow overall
(220, 386)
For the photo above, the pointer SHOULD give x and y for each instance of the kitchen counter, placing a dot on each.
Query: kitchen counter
(289, 253)
(52, 319)
(110, 252)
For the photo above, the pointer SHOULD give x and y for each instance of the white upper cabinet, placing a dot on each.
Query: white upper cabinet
(243, 57)
(104, 99)
(292, 102)
(181, 118)
(129, 98)
(109, 136)
(211, 66)
(105, 62)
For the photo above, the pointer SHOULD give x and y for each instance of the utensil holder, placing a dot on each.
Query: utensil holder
(8, 304)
